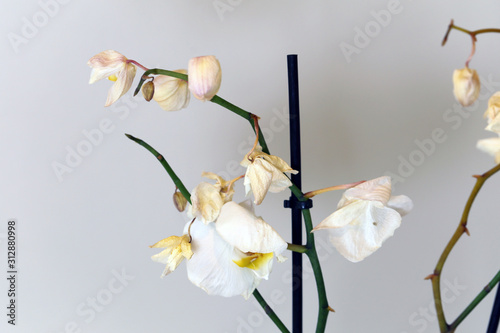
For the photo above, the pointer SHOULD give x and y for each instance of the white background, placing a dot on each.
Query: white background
(362, 116)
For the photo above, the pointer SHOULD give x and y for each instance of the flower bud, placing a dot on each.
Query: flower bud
(148, 90)
(204, 77)
(466, 85)
(179, 201)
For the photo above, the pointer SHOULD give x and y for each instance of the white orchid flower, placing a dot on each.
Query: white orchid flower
(116, 67)
(232, 255)
(365, 217)
(265, 173)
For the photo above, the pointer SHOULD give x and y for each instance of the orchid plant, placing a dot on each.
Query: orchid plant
(228, 248)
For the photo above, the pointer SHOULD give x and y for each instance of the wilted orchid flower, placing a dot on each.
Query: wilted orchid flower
(207, 199)
(365, 217)
(171, 93)
(265, 173)
(204, 77)
(232, 255)
(176, 249)
(466, 85)
(116, 67)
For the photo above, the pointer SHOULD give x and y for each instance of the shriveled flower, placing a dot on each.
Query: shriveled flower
(232, 255)
(171, 93)
(116, 67)
(204, 77)
(207, 199)
(365, 217)
(466, 85)
(265, 173)
(492, 113)
(490, 146)
(176, 249)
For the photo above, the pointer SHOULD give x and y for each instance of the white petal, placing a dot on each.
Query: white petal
(122, 85)
(490, 146)
(212, 268)
(247, 232)
(259, 179)
(400, 203)
(369, 225)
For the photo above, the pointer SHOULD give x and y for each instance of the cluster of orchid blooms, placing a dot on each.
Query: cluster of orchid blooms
(228, 248)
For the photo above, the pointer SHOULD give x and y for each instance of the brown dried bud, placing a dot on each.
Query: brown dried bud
(148, 90)
(179, 201)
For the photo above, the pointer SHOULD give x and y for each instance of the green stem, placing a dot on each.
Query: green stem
(270, 312)
(165, 164)
(461, 229)
(486, 290)
(216, 99)
(245, 114)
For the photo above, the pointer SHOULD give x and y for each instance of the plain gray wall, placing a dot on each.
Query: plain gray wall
(363, 116)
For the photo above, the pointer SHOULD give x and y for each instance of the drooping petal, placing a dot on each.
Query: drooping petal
(212, 268)
(248, 233)
(176, 249)
(400, 203)
(466, 86)
(206, 202)
(369, 224)
(125, 77)
(105, 64)
(172, 94)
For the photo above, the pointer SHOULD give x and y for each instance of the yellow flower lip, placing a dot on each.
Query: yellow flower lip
(254, 260)
(113, 78)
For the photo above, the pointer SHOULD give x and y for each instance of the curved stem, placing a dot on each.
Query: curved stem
(461, 229)
(245, 114)
(165, 164)
(216, 99)
(270, 312)
(473, 34)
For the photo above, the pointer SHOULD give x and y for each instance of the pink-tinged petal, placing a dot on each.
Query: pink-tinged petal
(204, 77)
(125, 77)
(378, 189)
(105, 64)
(212, 268)
(248, 233)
